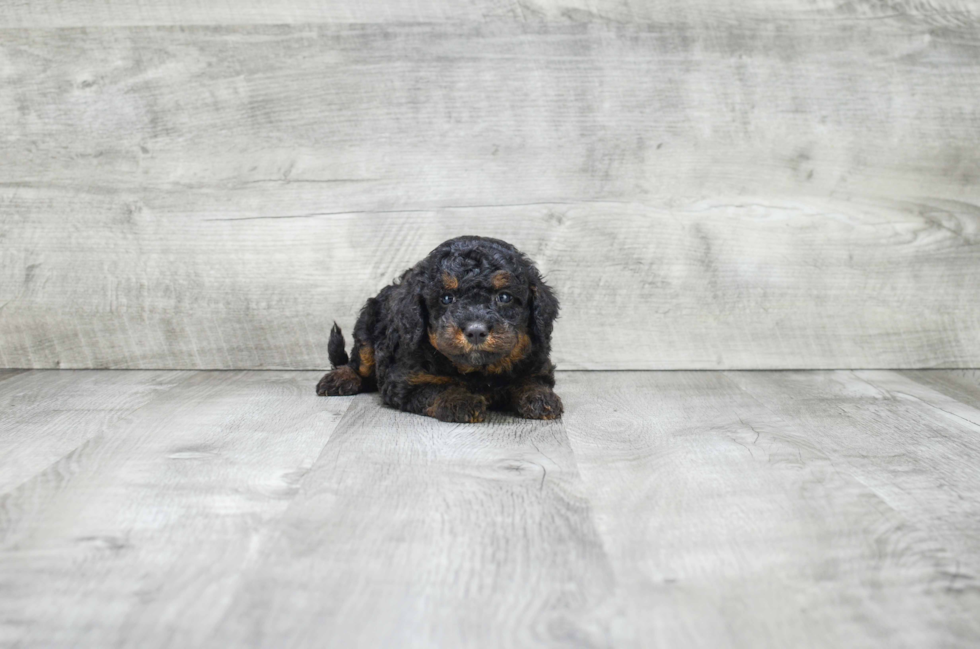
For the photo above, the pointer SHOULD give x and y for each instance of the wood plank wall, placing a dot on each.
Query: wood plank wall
(758, 184)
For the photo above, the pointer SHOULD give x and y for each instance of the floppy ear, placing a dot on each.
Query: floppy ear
(544, 310)
(411, 316)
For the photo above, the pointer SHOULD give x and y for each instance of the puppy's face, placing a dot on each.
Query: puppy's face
(478, 318)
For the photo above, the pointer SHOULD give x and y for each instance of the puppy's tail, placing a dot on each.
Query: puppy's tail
(335, 348)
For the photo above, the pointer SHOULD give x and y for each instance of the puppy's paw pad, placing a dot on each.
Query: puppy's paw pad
(340, 382)
(539, 403)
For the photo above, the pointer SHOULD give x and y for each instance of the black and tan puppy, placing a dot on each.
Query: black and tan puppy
(467, 329)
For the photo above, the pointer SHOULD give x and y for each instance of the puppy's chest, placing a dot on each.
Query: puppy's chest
(486, 385)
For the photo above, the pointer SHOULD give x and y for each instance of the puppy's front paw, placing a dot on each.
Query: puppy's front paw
(342, 381)
(458, 405)
(538, 402)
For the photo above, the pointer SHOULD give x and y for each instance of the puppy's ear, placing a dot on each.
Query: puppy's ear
(411, 316)
(544, 309)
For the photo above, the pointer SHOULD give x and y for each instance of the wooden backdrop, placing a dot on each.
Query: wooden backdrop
(757, 184)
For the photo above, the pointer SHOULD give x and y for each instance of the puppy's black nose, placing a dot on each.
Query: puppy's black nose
(476, 332)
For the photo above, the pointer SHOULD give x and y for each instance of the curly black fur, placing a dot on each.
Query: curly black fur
(466, 329)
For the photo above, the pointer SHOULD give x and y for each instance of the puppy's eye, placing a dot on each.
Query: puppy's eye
(447, 298)
(504, 298)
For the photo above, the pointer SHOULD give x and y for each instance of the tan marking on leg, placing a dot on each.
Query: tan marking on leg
(422, 378)
(366, 355)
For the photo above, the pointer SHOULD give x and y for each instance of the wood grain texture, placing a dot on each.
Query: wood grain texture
(703, 195)
(694, 509)
(9, 374)
(139, 536)
(962, 385)
(101, 13)
(731, 523)
(48, 414)
(104, 13)
(938, 12)
(410, 532)
(914, 447)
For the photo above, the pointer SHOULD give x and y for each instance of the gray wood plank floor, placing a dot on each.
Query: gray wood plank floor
(736, 509)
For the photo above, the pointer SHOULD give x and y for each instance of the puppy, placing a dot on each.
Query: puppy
(466, 329)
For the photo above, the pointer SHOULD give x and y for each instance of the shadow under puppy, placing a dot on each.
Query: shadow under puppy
(466, 329)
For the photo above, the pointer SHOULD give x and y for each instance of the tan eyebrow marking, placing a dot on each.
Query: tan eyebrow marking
(501, 280)
(449, 282)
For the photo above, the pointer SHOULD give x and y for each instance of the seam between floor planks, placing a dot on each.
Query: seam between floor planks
(400, 515)
(62, 425)
(933, 559)
(926, 474)
(390, 497)
(215, 492)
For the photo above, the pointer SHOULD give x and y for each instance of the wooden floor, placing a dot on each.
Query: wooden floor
(674, 509)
